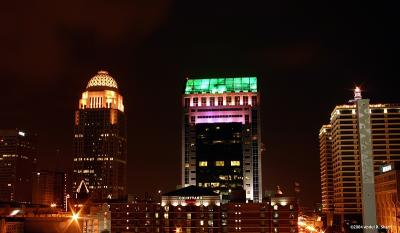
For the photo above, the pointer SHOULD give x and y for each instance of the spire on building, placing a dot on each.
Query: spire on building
(357, 93)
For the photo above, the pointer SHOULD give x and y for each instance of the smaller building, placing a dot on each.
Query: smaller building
(191, 209)
(135, 216)
(18, 217)
(17, 161)
(387, 196)
(49, 188)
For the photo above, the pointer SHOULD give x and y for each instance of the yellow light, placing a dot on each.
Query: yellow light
(203, 164)
(53, 205)
(178, 229)
(75, 216)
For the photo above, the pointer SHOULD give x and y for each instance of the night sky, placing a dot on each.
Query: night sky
(308, 57)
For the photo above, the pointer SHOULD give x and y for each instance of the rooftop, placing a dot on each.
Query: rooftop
(221, 85)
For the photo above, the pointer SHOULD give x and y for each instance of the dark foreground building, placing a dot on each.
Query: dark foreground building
(100, 149)
(387, 186)
(221, 137)
(195, 209)
(49, 188)
(17, 161)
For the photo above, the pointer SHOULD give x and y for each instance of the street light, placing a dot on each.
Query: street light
(75, 216)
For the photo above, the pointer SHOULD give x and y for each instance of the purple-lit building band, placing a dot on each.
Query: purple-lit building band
(221, 138)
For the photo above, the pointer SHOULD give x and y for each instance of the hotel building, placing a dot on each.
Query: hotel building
(221, 136)
(196, 209)
(100, 144)
(339, 143)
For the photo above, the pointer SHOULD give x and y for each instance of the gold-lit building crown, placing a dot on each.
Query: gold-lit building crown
(102, 79)
(101, 92)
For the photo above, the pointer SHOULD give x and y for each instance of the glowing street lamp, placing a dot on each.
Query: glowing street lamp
(75, 217)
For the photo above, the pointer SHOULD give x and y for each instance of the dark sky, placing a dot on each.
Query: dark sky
(308, 56)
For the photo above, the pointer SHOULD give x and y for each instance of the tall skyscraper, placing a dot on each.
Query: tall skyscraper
(345, 154)
(49, 188)
(325, 142)
(100, 139)
(17, 161)
(221, 136)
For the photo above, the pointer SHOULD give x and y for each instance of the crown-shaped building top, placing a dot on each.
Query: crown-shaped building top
(102, 79)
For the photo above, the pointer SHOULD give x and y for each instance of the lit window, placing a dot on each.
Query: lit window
(214, 184)
(235, 163)
(219, 163)
(203, 164)
(212, 101)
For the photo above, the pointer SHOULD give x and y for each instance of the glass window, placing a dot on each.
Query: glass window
(203, 164)
(254, 100)
(245, 100)
(237, 100)
(203, 101)
(219, 163)
(235, 163)
(220, 101)
(187, 102)
(228, 100)
(195, 101)
(212, 101)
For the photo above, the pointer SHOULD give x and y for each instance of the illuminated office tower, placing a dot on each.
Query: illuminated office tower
(17, 161)
(100, 144)
(346, 162)
(221, 143)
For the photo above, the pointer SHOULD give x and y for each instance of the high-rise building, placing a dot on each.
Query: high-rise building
(342, 136)
(49, 188)
(221, 136)
(100, 139)
(17, 161)
(325, 142)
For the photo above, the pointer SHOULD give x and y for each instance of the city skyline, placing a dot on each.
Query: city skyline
(300, 73)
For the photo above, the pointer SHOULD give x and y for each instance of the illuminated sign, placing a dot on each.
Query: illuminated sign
(20, 133)
(386, 168)
(190, 198)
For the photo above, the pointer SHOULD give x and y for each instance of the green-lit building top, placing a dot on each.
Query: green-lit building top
(221, 85)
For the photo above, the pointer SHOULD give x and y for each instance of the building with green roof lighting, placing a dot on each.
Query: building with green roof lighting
(221, 137)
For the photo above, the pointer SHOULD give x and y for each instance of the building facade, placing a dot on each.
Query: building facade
(195, 209)
(325, 142)
(100, 139)
(49, 188)
(387, 186)
(17, 162)
(221, 136)
(345, 154)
